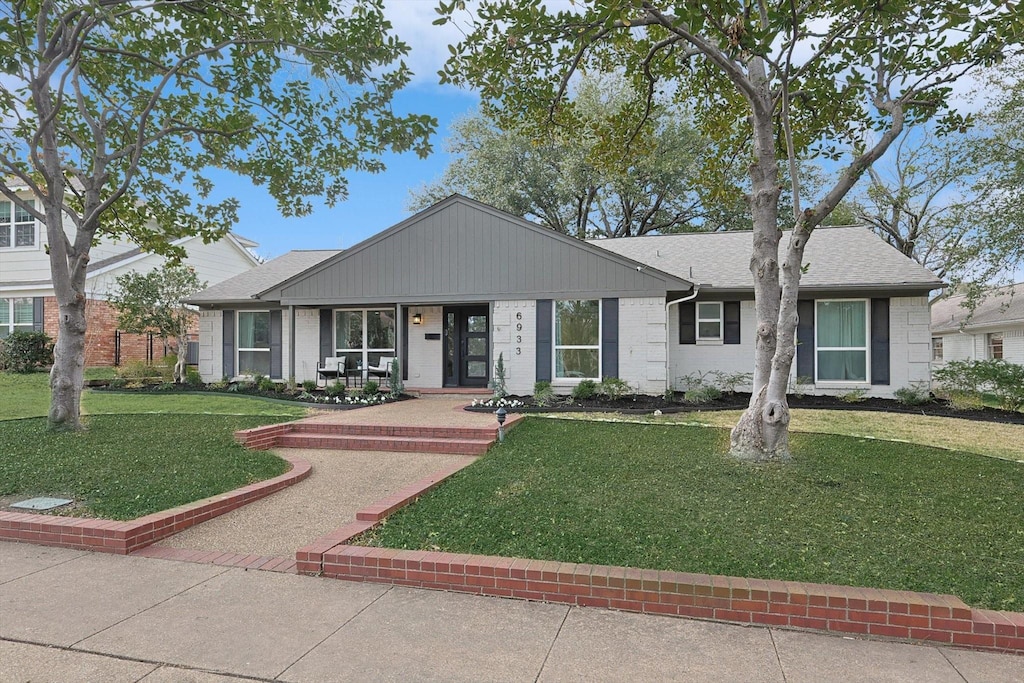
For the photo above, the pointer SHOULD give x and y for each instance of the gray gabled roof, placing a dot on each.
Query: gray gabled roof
(248, 285)
(1001, 306)
(842, 257)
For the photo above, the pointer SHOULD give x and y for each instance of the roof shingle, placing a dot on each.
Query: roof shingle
(247, 285)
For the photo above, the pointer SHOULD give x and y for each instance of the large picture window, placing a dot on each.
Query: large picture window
(254, 343)
(841, 328)
(15, 314)
(363, 336)
(17, 226)
(578, 339)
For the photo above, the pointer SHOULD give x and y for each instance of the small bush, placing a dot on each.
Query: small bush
(854, 396)
(614, 388)
(669, 395)
(543, 394)
(193, 378)
(1004, 379)
(118, 383)
(140, 369)
(729, 382)
(498, 382)
(800, 386)
(916, 394)
(371, 388)
(309, 386)
(266, 384)
(25, 351)
(395, 381)
(584, 390)
(336, 390)
(166, 386)
(965, 400)
(705, 394)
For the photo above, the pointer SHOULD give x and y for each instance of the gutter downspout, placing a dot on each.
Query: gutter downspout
(668, 334)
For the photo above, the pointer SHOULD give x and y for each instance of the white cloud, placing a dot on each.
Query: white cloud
(413, 23)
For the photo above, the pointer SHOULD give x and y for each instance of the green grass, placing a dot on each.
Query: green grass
(29, 396)
(846, 510)
(127, 466)
(140, 453)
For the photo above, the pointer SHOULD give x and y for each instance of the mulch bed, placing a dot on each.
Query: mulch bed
(285, 397)
(645, 405)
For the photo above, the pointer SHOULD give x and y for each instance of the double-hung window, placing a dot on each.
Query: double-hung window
(578, 339)
(254, 343)
(709, 320)
(17, 226)
(936, 348)
(363, 336)
(841, 330)
(15, 314)
(995, 346)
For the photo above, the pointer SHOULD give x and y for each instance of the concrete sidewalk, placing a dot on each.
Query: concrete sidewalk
(67, 615)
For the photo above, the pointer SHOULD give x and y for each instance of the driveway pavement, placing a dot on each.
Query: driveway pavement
(73, 616)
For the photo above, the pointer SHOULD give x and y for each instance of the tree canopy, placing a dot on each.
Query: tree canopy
(113, 110)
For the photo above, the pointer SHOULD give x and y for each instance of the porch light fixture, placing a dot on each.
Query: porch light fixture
(417, 318)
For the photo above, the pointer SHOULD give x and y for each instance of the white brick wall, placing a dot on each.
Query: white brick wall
(909, 349)
(307, 343)
(514, 334)
(211, 345)
(642, 351)
(425, 355)
(974, 345)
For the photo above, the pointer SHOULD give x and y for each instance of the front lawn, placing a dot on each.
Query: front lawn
(846, 511)
(139, 454)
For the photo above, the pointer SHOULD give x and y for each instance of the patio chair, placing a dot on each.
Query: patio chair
(332, 369)
(382, 368)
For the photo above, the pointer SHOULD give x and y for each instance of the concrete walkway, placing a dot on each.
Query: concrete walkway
(67, 615)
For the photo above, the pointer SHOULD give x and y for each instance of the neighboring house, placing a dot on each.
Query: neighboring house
(452, 287)
(26, 291)
(995, 329)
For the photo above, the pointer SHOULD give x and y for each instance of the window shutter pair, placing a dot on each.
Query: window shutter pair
(609, 338)
(879, 340)
(276, 335)
(730, 322)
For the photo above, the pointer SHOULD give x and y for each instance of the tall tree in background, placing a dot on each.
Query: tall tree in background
(111, 110)
(585, 180)
(153, 302)
(793, 78)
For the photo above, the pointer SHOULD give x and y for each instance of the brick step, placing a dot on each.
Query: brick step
(473, 433)
(390, 443)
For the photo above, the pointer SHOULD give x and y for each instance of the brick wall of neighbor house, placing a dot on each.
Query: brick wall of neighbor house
(519, 346)
(101, 321)
(211, 345)
(425, 355)
(642, 351)
(909, 349)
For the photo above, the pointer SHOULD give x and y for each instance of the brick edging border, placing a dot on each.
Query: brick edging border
(847, 610)
(123, 538)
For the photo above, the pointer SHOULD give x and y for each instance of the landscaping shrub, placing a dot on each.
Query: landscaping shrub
(543, 394)
(914, 395)
(371, 388)
(704, 394)
(25, 351)
(498, 383)
(965, 400)
(584, 390)
(614, 388)
(669, 395)
(193, 378)
(309, 386)
(729, 382)
(853, 396)
(395, 381)
(1004, 379)
(336, 390)
(140, 370)
(264, 383)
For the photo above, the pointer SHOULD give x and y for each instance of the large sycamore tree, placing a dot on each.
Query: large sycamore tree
(111, 112)
(788, 79)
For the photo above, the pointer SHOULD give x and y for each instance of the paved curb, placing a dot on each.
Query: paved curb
(125, 537)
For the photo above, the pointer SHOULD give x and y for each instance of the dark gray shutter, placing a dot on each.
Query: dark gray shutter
(544, 320)
(731, 322)
(805, 339)
(326, 334)
(405, 344)
(37, 314)
(229, 343)
(688, 322)
(879, 341)
(609, 337)
(276, 332)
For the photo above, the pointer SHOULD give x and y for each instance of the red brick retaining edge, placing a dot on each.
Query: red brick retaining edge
(903, 615)
(125, 537)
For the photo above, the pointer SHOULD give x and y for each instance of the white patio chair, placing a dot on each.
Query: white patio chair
(332, 369)
(382, 368)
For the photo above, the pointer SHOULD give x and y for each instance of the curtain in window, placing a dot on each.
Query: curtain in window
(842, 325)
(577, 324)
(254, 336)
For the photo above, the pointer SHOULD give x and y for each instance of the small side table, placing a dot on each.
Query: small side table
(354, 377)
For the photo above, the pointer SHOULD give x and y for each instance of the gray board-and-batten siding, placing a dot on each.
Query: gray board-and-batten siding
(463, 251)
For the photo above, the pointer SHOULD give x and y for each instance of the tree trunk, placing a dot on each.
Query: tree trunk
(180, 373)
(68, 372)
(762, 432)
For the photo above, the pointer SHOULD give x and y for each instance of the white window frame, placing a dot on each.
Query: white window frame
(720, 320)
(238, 337)
(555, 346)
(13, 224)
(937, 349)
(866, 382)
(989, 338)
(364, 352)
(12, 326)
